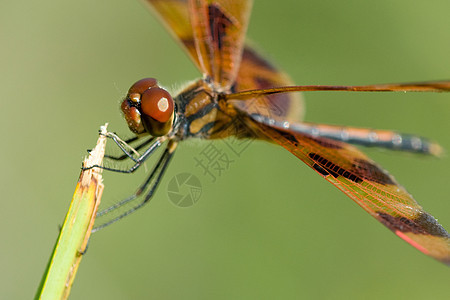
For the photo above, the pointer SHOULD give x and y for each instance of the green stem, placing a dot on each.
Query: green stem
(76, 230)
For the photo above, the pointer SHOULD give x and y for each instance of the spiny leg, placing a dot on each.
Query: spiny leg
(138, 147)
(154, 179)
(123, 145)
(127, 141)
(139, 191)
(138, 161)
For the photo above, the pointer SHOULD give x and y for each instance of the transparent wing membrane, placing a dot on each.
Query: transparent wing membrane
(359, 136)
(427, 86)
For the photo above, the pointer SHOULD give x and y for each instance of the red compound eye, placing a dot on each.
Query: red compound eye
(148, 108)
(139, 87)
(158, 104)
(133, 117)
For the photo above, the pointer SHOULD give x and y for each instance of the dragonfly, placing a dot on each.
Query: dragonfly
(243, 95)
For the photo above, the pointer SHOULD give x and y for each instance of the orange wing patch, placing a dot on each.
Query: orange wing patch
(174, 14)
(368, 185)
(212, 32)
(257, 73)
(219, 28)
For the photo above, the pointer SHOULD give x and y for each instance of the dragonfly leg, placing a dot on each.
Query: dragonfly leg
(127, 141)
(123, 145)
(149, 186)
(127, 153)
(138, 161)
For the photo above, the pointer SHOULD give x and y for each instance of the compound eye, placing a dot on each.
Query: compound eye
(158, 104)
(132, 116)
(157, 108)
(139, 87)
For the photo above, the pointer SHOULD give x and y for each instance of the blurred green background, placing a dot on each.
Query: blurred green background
(267, 228)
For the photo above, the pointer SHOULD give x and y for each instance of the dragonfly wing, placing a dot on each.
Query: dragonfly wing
(370, 186)
(254, 71)
(258, 73)
(174, 14)
(212, 32)
(219, 28)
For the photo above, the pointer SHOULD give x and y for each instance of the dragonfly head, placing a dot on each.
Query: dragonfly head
(148, 108)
